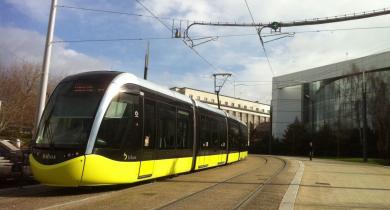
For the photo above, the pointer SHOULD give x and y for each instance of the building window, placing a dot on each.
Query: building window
(244, 106)
(234, 113)
(233, 104)
(251, 107)
(268, 111)
(239, 105)
(257, 109)
(212, 101)
(226, 103)
(191, 96)
(205, 99)
(262, 110)
(198, 97)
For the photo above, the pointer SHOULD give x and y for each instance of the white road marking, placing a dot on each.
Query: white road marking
(74, 202)
(101, 195)
(290, 196)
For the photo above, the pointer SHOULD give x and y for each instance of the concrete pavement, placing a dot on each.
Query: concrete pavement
(328, 184)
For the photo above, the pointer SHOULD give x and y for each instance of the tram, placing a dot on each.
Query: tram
(106, 128)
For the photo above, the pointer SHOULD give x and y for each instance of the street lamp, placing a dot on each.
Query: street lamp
(307, 96)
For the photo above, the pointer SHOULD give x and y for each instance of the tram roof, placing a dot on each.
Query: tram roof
(132, 79)
(125, 78)
(209, 108)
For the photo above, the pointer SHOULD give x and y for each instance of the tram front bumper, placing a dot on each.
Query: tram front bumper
(65, 174)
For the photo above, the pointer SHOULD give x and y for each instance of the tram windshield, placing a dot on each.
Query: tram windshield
(69, 115)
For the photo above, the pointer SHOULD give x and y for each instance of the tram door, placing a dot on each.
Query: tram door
(149, 139)
(222, 133)
(203, 142)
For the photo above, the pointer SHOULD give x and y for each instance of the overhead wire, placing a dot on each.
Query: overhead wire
(169, 29)
(111, 40)
(142, 39)
(223, 35)
(118, 12)
(258, 29)
(196, 52)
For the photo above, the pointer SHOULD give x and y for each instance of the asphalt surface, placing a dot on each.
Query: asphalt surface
(236, 186)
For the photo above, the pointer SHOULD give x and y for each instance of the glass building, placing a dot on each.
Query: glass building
(332, 95)
(338, 102)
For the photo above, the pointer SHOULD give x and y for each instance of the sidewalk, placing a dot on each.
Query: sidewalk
(341, 185)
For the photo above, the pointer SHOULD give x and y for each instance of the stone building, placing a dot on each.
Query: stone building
(250, 112)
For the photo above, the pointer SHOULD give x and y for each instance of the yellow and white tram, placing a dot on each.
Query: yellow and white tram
(104, 128)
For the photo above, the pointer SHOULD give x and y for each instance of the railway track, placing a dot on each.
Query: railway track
(244, 200)
(236, 189)
(258, 189)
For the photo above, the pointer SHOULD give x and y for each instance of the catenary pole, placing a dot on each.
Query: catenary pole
(364, 110)
(46, 62)
(146, 62)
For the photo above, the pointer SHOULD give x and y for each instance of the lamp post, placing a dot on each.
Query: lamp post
(364, 110)
(307, 96)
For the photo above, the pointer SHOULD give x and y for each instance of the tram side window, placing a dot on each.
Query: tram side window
(222, 133)
(119, 123)
(234, 136)
(209, 133)
(166, 127)
(183, 129)
(244, 137)
(213, 126)
(204, 132)
(149, 124)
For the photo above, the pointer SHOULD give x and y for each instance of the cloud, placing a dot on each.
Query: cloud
(244, 57)
(173, 65)
(19, 45)
(37, 9)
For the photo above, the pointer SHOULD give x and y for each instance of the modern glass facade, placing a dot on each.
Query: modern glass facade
(337, 102)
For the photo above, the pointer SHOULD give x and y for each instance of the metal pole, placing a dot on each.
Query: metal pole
(218, 88)
(364, 107)
(312, 116)
(216, 91)
(219, 104)
(46, 62)
(146, 63)
(312, 129)
(270, 132)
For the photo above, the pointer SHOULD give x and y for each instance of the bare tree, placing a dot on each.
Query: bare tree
(18, 93)
(379, 109)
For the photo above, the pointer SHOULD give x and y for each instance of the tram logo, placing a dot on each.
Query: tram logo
(48, 156)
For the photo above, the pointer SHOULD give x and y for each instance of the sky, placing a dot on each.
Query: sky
(23, 26)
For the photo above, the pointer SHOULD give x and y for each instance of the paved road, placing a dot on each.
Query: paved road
(238, 185)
